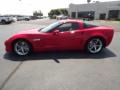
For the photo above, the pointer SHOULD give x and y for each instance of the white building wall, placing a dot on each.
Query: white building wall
(98, 8)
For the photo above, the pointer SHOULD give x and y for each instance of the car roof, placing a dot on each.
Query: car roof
(71, 20)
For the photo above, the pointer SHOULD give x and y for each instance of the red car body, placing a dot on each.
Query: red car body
(69, 40)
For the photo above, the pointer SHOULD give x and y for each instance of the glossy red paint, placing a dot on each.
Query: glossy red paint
(69, 40)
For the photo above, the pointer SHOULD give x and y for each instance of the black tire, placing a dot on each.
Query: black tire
(25, 48)
(94, 45)
(8, 22)
(3, 22)
(26, 19)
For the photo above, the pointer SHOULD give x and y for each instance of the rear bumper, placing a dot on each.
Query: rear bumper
(110, 37)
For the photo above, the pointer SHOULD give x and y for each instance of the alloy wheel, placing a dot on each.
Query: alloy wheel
(21, 48)
(95, 45)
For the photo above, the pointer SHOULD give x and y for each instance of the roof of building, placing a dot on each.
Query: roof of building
(102, 3)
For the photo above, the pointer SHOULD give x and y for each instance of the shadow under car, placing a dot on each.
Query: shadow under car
(105, 53)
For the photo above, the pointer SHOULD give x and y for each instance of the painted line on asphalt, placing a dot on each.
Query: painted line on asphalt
(10, 75)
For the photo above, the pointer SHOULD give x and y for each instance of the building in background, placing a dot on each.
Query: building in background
(97, 10)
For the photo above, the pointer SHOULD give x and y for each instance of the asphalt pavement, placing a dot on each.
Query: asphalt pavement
(59, 70)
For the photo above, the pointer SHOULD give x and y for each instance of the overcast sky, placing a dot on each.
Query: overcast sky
(26, 7)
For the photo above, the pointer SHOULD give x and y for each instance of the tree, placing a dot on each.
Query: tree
(64, 11)
(88, 1)
(37, 13)
(55, 12)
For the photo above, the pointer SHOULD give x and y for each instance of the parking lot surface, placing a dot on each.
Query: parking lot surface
(59, 70)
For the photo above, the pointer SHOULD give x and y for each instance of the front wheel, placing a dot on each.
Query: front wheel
(94, 45)
(21, 48)
(3, 22)
(26, 19)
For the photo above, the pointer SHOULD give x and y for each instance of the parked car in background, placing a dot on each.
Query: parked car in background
(14, 19)
(88, 18)
(6, 19)
(61, 17)
(61, 35)
(26, 18)
(20, 18)
(33, 17)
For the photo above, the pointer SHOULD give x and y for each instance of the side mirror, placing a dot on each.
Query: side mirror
(55, 32)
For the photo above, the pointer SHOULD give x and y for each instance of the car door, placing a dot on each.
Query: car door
(56, 40)
(69, 36)
(46, 42)
(47, 39)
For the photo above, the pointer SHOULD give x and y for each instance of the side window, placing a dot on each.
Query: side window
(69, 27)
(75, 26)
(65, 27)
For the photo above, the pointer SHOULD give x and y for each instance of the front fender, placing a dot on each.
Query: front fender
(9, 43)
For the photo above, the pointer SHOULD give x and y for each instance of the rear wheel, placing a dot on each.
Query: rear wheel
(22, 48)
(94, 45)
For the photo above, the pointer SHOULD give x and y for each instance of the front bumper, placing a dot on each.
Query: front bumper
(8, 46)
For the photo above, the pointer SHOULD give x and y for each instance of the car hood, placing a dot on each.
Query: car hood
(30, 31)
(22, 34)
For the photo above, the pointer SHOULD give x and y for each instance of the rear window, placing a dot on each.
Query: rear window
(86, 25)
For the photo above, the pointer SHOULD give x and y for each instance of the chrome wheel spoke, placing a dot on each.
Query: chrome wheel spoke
(95, 48)
(19, 49)
(97, 41)
(22, 50)
(18, 46)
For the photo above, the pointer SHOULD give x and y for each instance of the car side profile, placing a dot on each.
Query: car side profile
(61, 35)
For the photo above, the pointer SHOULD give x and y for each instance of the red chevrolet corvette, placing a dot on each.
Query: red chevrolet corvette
(61, 35)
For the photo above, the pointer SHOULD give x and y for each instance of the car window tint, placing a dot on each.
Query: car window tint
(65, 27)
(75, 26)
(68, 27)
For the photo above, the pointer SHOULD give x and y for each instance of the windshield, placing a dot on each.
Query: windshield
(50, 27)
